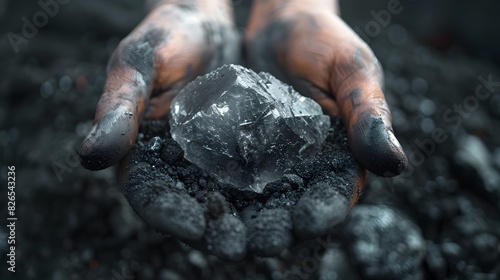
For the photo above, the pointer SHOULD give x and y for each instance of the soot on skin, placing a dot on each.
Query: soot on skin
(268, 216)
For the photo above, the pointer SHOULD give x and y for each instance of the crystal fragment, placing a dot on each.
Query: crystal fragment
(244, 128)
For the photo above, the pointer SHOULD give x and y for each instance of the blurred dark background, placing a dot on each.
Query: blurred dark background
(75, 224)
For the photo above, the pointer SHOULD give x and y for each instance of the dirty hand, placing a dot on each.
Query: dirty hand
(310, 48)
(322, 58)
(175, 43)
(306, 44)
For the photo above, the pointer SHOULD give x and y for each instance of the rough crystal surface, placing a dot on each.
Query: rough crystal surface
(244, 128)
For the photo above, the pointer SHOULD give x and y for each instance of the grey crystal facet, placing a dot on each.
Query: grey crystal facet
(244, 128)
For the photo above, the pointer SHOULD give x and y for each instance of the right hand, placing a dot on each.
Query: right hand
(173, 45)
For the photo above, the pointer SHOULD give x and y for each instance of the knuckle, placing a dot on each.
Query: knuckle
(354, 62)
(138, 51)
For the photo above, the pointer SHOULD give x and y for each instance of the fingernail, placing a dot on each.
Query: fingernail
(108, 140)
(375, 146)
(401, 161)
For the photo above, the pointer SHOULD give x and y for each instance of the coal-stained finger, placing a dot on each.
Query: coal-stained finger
(324, 59)
(225, 236)
(131, 74)
(333, 190)
(357, 83)
(165, 205)
(176, 42)
(270, 232)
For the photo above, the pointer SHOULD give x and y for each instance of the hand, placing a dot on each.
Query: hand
(334, 183)
(307, 45)
(165, 191)
(176, 198)
(174, 44)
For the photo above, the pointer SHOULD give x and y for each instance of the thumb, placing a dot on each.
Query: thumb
(126, 92)
(356, 82)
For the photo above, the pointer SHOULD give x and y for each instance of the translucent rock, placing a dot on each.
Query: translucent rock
(244, 128)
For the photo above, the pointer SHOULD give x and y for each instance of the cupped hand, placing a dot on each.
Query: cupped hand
(306, 44)
(174, 44)
(309, 46)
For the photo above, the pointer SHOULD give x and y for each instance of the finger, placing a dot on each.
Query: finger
(321, 49)
(270, 232)
(324, 99)
(291, 45)
(356, 82)
(200, 36)
(169, 48)
(165, 205)
(332, 192)
(225, 235)
(225, 238)
(126, 92)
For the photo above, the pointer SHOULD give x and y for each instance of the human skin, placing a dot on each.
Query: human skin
(304, 43)
(311, 48)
